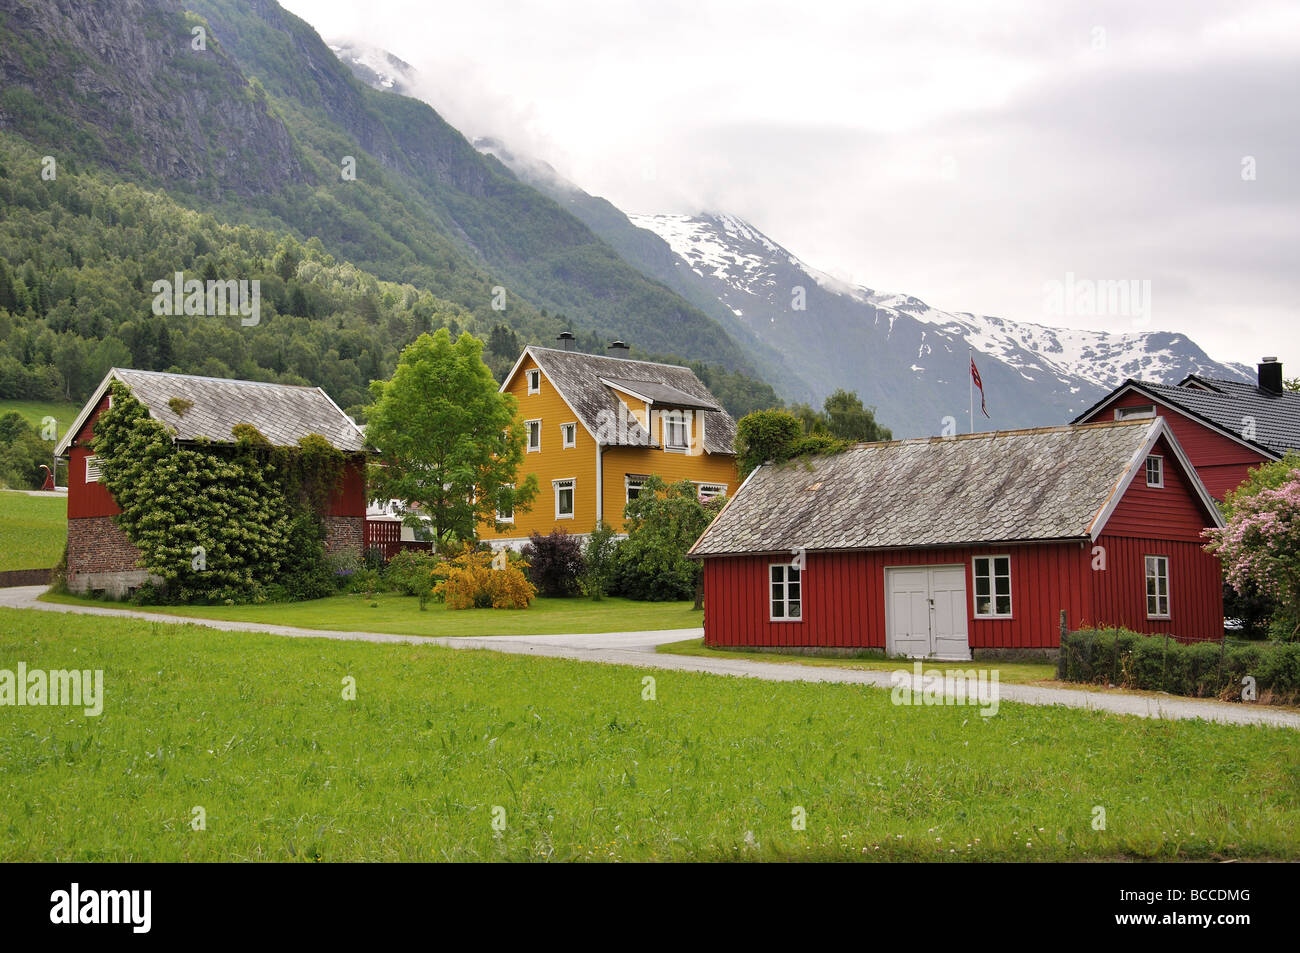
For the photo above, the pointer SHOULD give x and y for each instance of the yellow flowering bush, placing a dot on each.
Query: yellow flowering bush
(471, 581)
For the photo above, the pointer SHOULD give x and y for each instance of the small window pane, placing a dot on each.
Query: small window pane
(1004, 605)
(794, 610)
(778, 609)
(778, 573)
(1002, 566)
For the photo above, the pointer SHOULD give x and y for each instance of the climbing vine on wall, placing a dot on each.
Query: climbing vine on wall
(218, 523)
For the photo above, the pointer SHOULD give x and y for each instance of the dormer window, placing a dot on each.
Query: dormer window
(534, 381)
(1155, 471)
(676, 431)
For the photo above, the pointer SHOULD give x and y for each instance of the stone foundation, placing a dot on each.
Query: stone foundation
(344, 533)
(101, 559)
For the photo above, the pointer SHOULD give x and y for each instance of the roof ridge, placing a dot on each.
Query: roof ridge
(622, 360)
(1023, 431)
(220, 380)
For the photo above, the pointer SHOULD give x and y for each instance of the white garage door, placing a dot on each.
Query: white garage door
(925, 611)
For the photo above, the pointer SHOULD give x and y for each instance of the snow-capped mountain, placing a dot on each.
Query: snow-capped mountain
(810, 333)
(902, 355)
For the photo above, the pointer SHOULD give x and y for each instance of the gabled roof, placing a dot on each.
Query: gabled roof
(283, 413)
(587, 383)
(1225, 406)
(1051, 483)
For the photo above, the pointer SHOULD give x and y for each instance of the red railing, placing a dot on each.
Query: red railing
(386, 536)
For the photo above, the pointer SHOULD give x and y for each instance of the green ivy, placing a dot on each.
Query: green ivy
(228, 523)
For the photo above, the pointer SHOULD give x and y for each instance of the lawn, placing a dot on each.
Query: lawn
(1017, 673)
(401, 615)
(574, 763)
(34, 411)
(33, 530)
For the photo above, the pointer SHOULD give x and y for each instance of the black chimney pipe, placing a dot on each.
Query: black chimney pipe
(618, 349)
(566, 340)
(1270, 376)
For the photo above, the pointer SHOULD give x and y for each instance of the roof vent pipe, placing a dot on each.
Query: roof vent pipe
(618, 349)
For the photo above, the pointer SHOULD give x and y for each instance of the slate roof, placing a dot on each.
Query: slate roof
(1048, 483)
(283, 413)
(577, 376)
(1276, 416)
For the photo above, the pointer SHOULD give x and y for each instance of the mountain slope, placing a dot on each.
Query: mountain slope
(906, 358)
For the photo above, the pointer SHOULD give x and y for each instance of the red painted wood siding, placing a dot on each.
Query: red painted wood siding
(1169, 512)
(1195, 588)
(87, 499)
(1221, 463)
(351, 498)
(844, 597)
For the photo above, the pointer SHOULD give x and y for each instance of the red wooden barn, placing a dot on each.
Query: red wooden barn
(1226, 427)
(101, 558)
(950, 547)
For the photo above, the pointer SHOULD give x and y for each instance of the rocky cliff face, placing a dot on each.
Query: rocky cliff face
(121, 82)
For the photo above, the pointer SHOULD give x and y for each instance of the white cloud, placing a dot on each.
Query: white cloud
(961, 155)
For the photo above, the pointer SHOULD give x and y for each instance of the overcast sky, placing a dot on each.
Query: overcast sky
(967, 157)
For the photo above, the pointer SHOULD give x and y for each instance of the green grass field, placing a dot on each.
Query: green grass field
(401, 615)
(254, 730)
(34, 411)
(1018, 673)
(33, 530)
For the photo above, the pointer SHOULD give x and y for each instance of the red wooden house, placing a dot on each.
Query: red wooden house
(1225, 427)
(101, 558)
(950, 547)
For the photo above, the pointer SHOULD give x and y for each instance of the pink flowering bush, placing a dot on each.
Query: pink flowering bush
(1260, 546)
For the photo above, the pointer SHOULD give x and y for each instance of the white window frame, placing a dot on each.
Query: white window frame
(528, 433)
(1159, 461)
(721, 489)
(534, 377)
(782, 586)
(628, 482)
(993, 593)
(678, 418)
(570, 484)
(569, 435)
(92, 468)
(511, 517)
(1159, 563)
(1136, 412)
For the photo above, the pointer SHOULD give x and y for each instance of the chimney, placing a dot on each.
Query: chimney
(1270, 376)
(566, 340)
(618, 349)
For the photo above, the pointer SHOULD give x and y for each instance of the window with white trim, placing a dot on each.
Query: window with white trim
(710, 491)
(1132, 413)
(534, 435)
(676, 431)
(786, 592)
(1155, 471)
(632, 486)
(507, 516)
(534, 381)
(92, 469)
(1157, 587)
(992, 576)
(563, 499)
(569, 435)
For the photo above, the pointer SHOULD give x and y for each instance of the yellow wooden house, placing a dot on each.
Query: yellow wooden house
(597, 425)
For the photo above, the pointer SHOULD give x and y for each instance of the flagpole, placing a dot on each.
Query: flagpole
(970, 381)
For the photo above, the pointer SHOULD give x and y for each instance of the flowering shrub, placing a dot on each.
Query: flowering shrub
(469, 581)
(1260, 547)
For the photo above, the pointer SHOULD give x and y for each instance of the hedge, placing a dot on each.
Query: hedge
(1201, 669)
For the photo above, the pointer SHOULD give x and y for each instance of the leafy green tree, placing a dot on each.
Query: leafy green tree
(765, 435)
(847, 418)
(448, 440)
(22, 452)
(663, 523)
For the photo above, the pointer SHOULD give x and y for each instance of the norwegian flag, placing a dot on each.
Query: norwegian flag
(975, 376)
